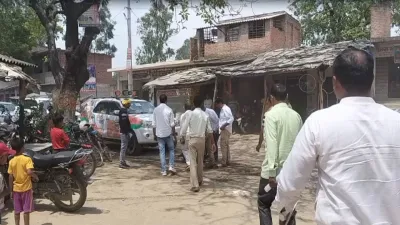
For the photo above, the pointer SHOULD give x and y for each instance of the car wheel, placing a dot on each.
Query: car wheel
(134, 148)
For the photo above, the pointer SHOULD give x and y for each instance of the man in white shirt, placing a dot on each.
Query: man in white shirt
(199, 126)
(164, 133)
(214, 120)
(184, 117)
(356, 147)
(225, 126)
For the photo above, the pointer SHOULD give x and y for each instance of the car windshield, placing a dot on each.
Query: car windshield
(10, 107)
(141, 107)
(30, 104)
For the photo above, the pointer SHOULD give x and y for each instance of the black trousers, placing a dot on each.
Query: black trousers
(265, 200)
(216, 136)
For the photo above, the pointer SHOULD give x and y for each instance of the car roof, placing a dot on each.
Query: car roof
(7, 103)
(120, 99)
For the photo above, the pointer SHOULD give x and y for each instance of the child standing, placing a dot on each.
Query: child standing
(21, 174)
(59, 138)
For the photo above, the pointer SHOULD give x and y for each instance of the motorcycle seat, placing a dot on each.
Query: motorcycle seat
(46, 161)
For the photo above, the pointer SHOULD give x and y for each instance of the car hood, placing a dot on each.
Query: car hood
(144, 117)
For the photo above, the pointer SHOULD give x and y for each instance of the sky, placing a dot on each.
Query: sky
(139, 9)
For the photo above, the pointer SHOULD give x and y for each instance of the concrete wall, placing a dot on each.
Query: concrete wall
(382, 79)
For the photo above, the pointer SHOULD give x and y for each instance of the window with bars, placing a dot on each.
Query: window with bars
(257, 29)
(232, 33)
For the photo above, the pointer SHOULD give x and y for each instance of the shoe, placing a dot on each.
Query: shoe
(172, 170)
(195, 189)
(164, 173)
(122, 166)
(125, 164)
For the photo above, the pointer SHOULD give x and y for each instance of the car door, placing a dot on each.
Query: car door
(99, 118)
(113, 120)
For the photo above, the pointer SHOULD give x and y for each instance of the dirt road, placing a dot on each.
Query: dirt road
(141, 196)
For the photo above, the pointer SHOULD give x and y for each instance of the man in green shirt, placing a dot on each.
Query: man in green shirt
(281, 125)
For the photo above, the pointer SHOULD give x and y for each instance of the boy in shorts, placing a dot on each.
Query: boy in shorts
(21, 174)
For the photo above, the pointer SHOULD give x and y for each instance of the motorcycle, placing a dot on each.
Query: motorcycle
(60, 178)
(101, 150)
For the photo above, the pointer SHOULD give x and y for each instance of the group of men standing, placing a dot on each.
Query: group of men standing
(201, 128)
(353, 144)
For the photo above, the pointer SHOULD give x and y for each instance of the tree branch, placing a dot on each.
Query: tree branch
(49, 24)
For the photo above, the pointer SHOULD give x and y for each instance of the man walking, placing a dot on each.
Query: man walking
(281, 125)
(185, 150)
(164, 132)
(126, 132)
(225, 126)
(355, 145)
(212, 152)
(199, 126)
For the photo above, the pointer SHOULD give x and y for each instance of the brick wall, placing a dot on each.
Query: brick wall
(102, 63)
(381, 20)
(274, 39)
(381, 79)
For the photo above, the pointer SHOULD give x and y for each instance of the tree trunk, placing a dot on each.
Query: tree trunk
(71, 78)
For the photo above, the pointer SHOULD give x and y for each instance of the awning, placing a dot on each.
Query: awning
(12, 72)
(181, 78)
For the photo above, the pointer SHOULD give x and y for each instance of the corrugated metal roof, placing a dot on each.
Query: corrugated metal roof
(152, 65)
(13, 72)
(11, 60)
(291, 60)
(186, 77)
(264, 16)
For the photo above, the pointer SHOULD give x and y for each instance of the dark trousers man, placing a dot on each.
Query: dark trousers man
(265, 200)
(216, 136)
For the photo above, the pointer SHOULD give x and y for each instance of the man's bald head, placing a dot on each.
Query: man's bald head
(354, 70)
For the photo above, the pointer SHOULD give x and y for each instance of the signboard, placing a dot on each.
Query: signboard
(396, 54)
(90, 85)
(90, 18)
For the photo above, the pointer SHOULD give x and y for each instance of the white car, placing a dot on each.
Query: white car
(104, 118)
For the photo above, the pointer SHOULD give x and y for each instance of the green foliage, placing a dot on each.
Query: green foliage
(209, 10)
(184, 51)
(20, 30)
(102, 41)
(332, 21)
(155, 30)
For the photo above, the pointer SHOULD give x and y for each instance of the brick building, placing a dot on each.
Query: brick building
(387, 79)
(229, 41)
(101, 62)
(246, 36)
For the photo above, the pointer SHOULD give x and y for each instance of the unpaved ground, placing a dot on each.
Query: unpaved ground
(141, 196)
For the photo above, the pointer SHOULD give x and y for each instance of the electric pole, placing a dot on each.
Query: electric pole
(129, 53)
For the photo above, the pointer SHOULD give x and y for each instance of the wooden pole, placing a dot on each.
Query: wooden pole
(215, 89)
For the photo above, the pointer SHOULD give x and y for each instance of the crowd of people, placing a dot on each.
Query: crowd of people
(353, 144)
(201, 128)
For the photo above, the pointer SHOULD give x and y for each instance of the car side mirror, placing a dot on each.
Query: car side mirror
(116, 112)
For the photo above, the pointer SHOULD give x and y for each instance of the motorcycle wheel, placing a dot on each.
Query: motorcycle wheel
(107, 154)
(89, 166)
(98, 156)
(73, 207)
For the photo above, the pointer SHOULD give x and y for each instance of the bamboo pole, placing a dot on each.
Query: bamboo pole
(215, 89)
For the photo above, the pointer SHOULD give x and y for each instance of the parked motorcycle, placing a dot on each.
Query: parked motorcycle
(60, 178)
(100, 149)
